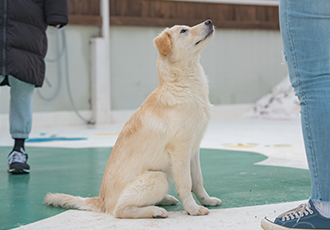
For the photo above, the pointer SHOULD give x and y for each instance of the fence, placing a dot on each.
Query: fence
(168, 13)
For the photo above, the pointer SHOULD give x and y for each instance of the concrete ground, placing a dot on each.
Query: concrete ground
(279, 140)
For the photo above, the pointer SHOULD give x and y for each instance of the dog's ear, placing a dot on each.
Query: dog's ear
(163, 43)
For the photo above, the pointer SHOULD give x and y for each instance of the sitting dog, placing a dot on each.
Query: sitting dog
(161, 139)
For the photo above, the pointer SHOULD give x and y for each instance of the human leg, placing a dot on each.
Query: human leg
(305, 29)
(305, 26)
(21, 107)
(20, 119)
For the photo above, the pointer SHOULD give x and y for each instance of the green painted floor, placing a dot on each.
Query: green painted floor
(229, 175)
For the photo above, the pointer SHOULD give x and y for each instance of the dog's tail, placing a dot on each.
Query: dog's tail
(73, 202)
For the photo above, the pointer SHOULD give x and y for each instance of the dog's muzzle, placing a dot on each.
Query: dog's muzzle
(209, 30)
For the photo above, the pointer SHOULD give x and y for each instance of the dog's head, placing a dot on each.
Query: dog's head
(182, 42)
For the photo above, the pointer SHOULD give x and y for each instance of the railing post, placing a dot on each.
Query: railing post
(101, 96)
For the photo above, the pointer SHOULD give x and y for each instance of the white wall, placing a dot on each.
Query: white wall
(242, 65)
(78, 48)
(78, 39)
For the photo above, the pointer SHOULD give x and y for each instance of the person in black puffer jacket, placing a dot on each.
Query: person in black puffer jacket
(23, 46)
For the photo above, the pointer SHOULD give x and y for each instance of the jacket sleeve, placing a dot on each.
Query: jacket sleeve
(56, 12)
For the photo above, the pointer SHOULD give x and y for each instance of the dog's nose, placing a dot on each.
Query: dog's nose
(208, 22)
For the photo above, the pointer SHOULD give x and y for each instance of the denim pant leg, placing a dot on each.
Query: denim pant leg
(21, 108)
(305, 29)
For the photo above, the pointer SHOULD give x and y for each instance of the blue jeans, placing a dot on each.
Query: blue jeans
(21, 107)
(305, 29)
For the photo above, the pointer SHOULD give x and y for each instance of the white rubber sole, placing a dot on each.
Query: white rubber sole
(269, 225)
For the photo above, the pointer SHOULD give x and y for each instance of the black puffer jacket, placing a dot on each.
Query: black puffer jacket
(23, 41)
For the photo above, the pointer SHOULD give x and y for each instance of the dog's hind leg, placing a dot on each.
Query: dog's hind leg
(139, 198)
(168, 200)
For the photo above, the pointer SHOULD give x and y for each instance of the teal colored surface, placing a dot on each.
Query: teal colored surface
(229, 175)
(55, 139)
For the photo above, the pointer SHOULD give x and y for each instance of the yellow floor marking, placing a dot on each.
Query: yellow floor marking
(106, 134)
(282, 146)
(240, 146)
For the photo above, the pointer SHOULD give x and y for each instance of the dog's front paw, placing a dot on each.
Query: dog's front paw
(198, 211)
(211, 201)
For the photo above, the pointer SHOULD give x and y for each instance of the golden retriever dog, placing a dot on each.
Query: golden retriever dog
(161, 139)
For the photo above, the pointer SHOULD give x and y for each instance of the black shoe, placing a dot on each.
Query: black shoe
(17, 162)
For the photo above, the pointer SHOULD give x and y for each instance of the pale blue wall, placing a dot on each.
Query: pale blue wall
(78, 48)
(242, 65)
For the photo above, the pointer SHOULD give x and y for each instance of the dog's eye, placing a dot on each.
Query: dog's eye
(183, 31)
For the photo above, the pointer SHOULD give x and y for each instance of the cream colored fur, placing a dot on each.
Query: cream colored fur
(161, 139)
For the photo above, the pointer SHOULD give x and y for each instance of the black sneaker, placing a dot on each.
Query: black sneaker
(304, 217)
(17, 162)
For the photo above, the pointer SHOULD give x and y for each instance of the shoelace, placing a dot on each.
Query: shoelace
(17, 157)
(298, 212)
